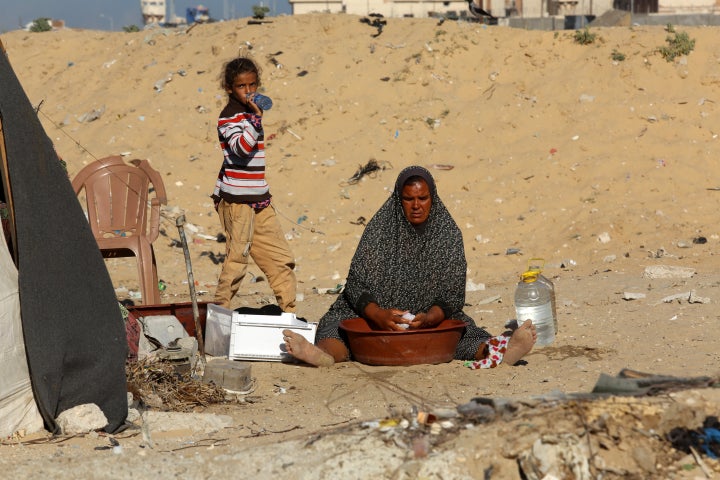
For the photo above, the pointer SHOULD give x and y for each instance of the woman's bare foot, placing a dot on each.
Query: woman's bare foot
(300, 348)
(520, 344)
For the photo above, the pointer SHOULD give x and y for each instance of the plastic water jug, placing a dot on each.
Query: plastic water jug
(533, 301)
(536, 265)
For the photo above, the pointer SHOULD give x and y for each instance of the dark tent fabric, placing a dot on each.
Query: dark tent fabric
(74, 334)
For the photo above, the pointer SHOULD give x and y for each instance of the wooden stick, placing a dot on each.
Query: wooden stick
(180, 222)
(294, 134)
(5, 183)
(698, 459)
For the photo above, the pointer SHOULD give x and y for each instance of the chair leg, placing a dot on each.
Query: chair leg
(147, 272)
(155, 284)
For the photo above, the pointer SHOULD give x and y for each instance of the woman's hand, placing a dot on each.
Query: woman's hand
(384, 318)
(431, 318)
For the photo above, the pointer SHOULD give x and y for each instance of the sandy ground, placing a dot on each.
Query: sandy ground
(603, 167)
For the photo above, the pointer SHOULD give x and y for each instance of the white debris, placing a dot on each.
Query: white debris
(668, 271)
(689, 297)
(677, 296)
(481, 239)
(604, 237)
(495, 298)
(471, 286)
(633, 296)
(557, 456)
(696, 299)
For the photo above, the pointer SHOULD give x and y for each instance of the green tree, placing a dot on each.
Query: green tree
(41, 25)
(259, 11)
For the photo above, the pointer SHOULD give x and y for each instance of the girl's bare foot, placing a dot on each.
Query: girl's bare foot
(300, 348)
(520, 344)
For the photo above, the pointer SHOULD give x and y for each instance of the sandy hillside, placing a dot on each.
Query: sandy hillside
(552, 143)
(602, 166)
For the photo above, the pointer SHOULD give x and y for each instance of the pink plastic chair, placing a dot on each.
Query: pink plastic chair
(118, 203)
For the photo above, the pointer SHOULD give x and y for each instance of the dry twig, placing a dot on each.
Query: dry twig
(370, 167)
(150, 381)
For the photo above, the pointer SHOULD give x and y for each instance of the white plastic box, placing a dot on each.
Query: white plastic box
(218, 322)
(259, 337)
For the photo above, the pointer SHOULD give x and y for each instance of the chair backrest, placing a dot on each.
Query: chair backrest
(117, 196)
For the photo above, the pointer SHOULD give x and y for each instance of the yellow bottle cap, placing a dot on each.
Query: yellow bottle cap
(529, 276)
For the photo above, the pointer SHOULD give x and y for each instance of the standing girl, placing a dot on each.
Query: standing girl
(242, 196)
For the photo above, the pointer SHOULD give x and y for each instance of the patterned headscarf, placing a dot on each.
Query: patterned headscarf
(399, 266)
(415, 171)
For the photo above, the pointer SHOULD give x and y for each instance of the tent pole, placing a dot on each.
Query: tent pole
(5, 179)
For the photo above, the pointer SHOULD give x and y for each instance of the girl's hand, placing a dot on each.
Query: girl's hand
(249, 99)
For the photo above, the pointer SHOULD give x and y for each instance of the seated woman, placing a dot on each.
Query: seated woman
(410, 259)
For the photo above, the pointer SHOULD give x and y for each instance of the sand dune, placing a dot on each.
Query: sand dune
(553, 143)
(599, 164)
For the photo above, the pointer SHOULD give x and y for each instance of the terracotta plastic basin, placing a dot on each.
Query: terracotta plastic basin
(182, 310)
(408, 347)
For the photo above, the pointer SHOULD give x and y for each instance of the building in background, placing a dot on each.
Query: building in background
(452, 9)
(506, 10)
(397, 8)
(160, 12)
(153, 11)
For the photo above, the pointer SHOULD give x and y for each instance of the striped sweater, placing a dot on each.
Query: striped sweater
(242, 176)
